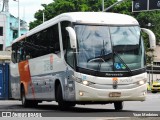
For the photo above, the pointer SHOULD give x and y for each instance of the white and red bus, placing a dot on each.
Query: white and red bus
(81, 58)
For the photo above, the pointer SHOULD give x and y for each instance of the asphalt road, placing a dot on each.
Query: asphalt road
(148, 108)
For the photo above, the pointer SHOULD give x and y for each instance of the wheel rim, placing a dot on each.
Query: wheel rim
(23, 99)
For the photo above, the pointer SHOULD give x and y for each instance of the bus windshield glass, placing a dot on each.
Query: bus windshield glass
(109, 48)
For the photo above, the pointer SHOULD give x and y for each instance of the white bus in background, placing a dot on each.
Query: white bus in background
(81, 58)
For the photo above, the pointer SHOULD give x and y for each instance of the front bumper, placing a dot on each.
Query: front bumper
(86, 93)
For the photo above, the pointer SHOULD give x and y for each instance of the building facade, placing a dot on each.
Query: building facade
(4, 26)
(9, 29)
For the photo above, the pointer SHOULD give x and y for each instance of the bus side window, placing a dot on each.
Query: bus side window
(54, 39)
(18, 56)
(21, 54)
(13, 56)
(15, 48)
(28, 57)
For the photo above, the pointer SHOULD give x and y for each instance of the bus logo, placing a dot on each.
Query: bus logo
(51, 59)
(51, 62)
(115, 82)
(119, 66)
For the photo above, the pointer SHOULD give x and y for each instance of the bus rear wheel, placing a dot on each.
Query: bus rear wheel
(25, 102)
(118, 105)
(61, 103)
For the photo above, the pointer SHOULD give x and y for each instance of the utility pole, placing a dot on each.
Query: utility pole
(43, 17)
(108, 8)
(18, 20)
(102, 5)
(152, 65)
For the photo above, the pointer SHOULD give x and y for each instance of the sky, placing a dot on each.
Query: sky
(27, 8)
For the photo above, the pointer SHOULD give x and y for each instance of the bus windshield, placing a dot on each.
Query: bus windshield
(109, 48)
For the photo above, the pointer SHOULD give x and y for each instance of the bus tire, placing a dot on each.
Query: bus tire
(25, 102)
(118, 105)
(61, 102)
(33, 103)
(59, 97)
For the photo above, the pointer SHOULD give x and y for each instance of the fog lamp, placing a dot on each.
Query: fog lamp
(81, 93)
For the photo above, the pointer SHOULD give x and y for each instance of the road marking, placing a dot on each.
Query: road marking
(114, 118)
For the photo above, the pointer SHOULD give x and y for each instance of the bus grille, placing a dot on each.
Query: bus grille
(110, 86)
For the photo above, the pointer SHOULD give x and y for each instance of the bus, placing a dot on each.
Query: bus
(81, 58)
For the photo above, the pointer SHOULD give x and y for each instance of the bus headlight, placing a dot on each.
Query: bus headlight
(142, 82)
(85, 82)
(77, 79)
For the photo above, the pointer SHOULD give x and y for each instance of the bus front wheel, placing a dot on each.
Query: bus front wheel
(61, 103)
(118, 105)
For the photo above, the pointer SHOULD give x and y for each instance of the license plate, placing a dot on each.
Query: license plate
(115, 94)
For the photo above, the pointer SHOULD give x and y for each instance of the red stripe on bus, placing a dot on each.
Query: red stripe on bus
(51, 59)
(25, 76)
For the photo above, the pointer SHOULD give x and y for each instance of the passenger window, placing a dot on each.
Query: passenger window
(13, 56)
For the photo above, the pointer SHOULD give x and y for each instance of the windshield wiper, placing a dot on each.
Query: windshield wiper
(102, 54)
(139, 41)
(123, 63)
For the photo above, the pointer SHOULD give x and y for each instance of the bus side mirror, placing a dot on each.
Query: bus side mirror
(152, 38)
(72, 36)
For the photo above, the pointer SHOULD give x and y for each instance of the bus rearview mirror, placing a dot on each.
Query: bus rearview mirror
(152, 38)
(72, 36)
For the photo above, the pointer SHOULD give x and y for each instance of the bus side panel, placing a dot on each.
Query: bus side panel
(25, 78)
(14, 81)
(41, 75)
(44, 71)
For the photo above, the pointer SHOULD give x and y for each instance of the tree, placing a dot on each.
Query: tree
(57, 7)
(61, 6)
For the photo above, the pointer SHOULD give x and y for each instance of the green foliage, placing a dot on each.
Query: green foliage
(61, 6)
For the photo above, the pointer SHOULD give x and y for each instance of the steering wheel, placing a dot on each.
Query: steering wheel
(96, 60)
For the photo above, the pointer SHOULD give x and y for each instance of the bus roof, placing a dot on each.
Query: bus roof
(85, 18)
